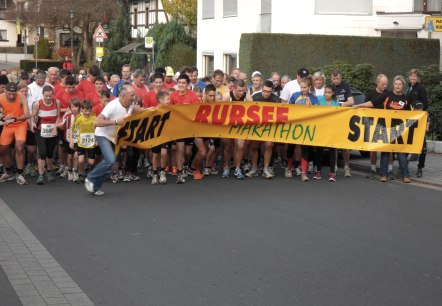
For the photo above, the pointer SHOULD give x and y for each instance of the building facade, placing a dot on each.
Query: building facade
(221, 22)
(145, 14)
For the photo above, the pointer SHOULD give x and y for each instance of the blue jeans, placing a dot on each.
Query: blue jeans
(403, 164)
(104, 168)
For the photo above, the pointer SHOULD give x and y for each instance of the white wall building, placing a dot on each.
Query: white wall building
(221, 22)
(145, 14)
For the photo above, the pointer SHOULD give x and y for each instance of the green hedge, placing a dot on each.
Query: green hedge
(27, 65)
(286, 53)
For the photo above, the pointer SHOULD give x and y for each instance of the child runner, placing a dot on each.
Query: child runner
(66, 125)
(86, 138)
(329, 99)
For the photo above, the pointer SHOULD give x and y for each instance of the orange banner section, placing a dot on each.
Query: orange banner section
(337, 127)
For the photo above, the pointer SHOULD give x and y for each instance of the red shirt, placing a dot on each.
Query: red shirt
(141, 92)
(151, 99)
(94, 97)
(97, 109)
(58, 89)
(169, 85)
(65, 98)
(85, 87)
(189, 97)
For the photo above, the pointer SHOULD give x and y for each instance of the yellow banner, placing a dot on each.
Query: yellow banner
(337, 127)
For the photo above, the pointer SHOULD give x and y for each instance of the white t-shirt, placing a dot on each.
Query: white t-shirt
(36, 91)
(289, 89)
(319, 92)
(112, 111)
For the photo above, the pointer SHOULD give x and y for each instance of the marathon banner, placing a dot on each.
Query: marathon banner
(336, 127)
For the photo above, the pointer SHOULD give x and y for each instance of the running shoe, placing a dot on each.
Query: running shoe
(226, 173)
(27, 169)
(407, 180)
(317, 175)
(332, 177)
(6, 177)
(60, 170)
(98, 193)
(64, 174)
(34, 171)
(383, 179)
(197, 175)
(419, 172)
(174, 171)
(167, 169)
(50, 176)
(347, 171)
(272, 172)
(180, 179)
(121, 174)
(247, 167)
(134, 177)
(267, 174)
(149, 173)
(154, 179)
(128, 177)
(371, 174)
(114, 178)
(206, 171)
(146, 163)
(288, 173)
(40, 180)
(89, 185)
(70, 176)
(20, 179)
(75, 176)
(311, 168)
(252, 173)
(238, 174)
(298, 171)
(214, 170)
(304, 177)
(186, 171)
(81, 178)
(163, 178)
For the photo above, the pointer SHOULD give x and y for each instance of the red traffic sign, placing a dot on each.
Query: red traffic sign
(36, 38)
(99, 32)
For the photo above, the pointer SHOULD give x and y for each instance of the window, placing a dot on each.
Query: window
(2, 15)
(344, 7)
(266, 6)
(230, 62)
(230, 8)
(208, 9)
(208, 64)
(3, 35)
(427, 5)
(135, 18)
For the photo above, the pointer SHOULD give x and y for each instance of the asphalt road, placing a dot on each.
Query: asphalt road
(252, 242)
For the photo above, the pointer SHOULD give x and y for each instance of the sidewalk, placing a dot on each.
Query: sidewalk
(432, 173)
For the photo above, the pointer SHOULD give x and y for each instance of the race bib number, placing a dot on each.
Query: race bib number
(47, 130)
(87, 140)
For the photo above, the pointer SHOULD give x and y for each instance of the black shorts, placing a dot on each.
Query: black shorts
(157, 149)
(187, 141)
(30, 138)
(88, 153)
(66, 147)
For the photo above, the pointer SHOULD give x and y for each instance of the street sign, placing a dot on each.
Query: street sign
(99, 32)
(148, 42)
(99, 51)
(99, 39)
(36, 38)
(433, 23)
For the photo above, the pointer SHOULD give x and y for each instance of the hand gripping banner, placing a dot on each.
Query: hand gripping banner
(336, 127)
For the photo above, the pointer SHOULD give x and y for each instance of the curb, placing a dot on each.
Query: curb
(366, 168)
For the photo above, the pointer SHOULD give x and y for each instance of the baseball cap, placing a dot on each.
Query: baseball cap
(169, 71)
(303, 72)
(11, 86)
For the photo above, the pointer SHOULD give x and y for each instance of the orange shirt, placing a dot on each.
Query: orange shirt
(13, 108)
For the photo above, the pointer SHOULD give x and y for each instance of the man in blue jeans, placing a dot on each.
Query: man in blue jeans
(107, 124)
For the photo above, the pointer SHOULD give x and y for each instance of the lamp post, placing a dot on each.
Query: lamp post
(71, 14)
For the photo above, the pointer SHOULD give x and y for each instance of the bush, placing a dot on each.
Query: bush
(42, 51)
(431, 79)
(181, 55)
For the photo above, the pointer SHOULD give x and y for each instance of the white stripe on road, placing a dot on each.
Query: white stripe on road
(37, 278)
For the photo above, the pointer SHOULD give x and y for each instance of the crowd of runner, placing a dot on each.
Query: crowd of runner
(56, 124)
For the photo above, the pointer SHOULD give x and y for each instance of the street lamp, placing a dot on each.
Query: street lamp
(71, 14)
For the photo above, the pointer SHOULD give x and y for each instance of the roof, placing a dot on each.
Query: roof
(130, 47)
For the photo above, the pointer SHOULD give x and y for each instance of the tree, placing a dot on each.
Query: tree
(166, 36)
(183, 11)
(55, 15)
(119, 36)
